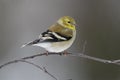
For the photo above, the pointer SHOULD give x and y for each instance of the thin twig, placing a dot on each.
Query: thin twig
(28, 57)
(39, 67)
(49, 73)
(23, 60)
(117, 62)
(40, 54)
(84, 46)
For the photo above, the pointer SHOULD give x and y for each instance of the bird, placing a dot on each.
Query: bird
(58, 37)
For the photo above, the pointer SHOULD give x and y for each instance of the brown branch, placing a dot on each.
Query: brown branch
(49, 73)
(117, 62)
(28, 57)
(37, 66)
(84, 46)
(41, 54)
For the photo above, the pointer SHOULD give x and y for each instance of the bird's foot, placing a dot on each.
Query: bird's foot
(46, 53)
(64, 53)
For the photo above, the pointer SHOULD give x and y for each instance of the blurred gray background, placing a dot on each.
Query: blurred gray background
(23, 20)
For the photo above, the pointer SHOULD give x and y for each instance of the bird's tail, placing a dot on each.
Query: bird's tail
(26, 44)
(31, 43)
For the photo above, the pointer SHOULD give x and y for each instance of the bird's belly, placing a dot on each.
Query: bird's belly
(56, 46)
(59, 46)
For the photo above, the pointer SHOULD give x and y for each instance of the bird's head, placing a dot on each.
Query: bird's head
(67, 22)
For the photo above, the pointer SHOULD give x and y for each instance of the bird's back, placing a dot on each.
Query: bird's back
(61, 30)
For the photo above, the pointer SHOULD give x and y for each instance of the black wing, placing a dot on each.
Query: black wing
(49, 36)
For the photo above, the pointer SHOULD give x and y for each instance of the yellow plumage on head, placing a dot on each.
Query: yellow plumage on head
(65, 25)
(67, 22)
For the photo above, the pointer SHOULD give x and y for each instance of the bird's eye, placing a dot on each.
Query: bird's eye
(68, 21)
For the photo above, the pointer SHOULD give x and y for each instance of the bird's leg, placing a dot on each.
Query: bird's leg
(61, 53)
(65, 53)
(47, 53)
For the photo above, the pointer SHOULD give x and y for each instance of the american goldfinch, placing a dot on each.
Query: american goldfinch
(58, 37)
